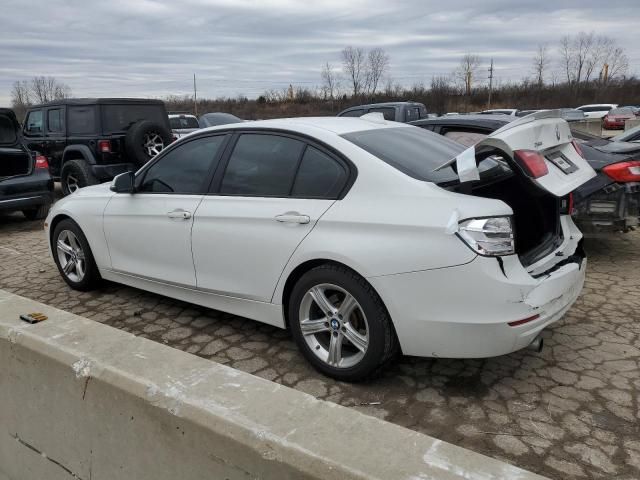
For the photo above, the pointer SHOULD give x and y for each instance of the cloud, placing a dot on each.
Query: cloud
(151, 48)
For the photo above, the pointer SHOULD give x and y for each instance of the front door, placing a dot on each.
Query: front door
(273, 191)
(149, 232)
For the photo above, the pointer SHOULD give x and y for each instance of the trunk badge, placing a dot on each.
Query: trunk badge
(557, 133)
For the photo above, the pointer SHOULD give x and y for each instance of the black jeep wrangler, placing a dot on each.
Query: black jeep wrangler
(91, 140)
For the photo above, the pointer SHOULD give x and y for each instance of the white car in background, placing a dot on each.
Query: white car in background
(364, 237)
(597, 110)
(183, 124)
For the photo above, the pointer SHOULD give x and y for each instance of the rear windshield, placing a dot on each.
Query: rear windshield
(178, 123)
(414, 151)
(7, 130)
(117, 118)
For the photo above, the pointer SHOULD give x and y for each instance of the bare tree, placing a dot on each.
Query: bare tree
(616, 60)
(466, 71)
(330, 83)
(586, 54)
(377, 65)
(566, 59)
(354, 65)
(20, 95)
(540, 63)
(47, 89)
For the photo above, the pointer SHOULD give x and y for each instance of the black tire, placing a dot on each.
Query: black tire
(76, 173)
(37, 213)
(138, 134)
(382, 342)
(91, 278)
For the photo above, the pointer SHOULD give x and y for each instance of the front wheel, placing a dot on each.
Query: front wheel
(340, 324)
(73, 256)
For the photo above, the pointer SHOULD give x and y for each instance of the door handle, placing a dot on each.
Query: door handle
(293, 217)
(179, 213)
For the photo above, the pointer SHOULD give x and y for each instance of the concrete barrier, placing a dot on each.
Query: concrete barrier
(629, 124)
(85, 401)
(592, 126)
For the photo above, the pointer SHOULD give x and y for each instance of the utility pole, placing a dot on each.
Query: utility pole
(195, 96)
(605, 74)
(490, 84)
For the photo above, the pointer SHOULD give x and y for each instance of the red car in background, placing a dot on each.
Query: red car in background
(616, 117)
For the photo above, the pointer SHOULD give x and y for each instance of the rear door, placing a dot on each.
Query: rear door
(268, 197)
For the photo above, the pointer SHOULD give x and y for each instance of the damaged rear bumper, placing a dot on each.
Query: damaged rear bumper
(465, 311)
(615, 208)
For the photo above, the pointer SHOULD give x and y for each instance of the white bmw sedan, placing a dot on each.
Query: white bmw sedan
(363, 237)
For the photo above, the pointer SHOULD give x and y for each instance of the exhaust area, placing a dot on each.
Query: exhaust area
(537, 344)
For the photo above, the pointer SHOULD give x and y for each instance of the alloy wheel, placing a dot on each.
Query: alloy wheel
(72, 183)
(334, 325)
(153, 144)
(71, 256)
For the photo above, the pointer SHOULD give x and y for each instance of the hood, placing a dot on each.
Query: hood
(9, 127)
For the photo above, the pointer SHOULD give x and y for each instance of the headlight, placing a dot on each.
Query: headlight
(488, 236)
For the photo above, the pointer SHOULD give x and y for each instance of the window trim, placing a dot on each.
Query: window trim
(215, 163)
(350, 168)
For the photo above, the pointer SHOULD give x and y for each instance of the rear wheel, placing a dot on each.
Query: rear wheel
(37, 213)
(76, 174)
(73, 256)
(340, 324)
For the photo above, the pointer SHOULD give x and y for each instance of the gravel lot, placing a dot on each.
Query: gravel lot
(572, 411)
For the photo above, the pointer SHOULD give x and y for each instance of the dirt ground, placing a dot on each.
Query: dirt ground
(571, 411)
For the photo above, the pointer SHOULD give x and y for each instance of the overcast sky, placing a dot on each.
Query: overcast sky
(149, 48)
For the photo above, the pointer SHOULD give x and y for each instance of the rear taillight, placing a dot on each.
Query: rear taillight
(531, 162)
(523, 321)
(624, 171)
(104, 146)
(576, 145)
(41, 162)
(491, 236)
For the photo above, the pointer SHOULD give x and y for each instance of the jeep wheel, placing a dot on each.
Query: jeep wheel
(145, 140)
(75, 175)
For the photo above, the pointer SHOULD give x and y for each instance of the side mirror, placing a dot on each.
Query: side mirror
(124, 183)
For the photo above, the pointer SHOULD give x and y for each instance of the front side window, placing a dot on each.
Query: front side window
(412, 114)
(262, 165)
(33, 125)
(184, 168)
(319, 176)
(55, 120)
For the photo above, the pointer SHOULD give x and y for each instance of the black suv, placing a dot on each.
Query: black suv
(90, 140)
(25, 183)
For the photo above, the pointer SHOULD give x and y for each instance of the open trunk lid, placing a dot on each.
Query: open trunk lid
(542, 136)
(14, 158)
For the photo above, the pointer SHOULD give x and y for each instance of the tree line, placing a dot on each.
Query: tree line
(582, 68)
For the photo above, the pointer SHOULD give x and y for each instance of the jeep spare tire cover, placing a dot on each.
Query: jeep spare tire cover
(144, 140)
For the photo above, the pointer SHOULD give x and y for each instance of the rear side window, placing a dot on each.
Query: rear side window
(319, 176)
(82, 120)
(262, 165)
(389, 113)
(117, 118)
(412, 114)
(414, 151)
(33, 125)
(55, 120)
(183, 169)
(353, 113)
